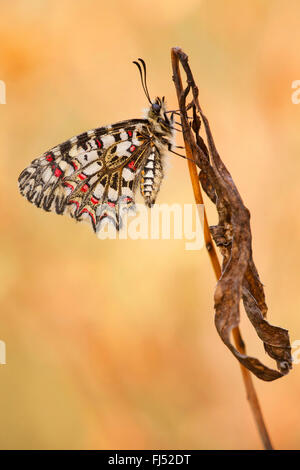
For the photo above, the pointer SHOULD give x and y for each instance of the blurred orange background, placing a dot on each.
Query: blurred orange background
(112, 344)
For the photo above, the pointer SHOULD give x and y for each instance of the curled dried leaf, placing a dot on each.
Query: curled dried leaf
(239, 279)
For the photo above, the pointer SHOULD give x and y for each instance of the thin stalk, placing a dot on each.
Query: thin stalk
(240, 345)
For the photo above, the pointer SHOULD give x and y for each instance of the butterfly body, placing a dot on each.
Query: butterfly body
(94, 175)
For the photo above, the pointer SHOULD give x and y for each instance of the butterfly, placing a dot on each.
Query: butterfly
(93, 176)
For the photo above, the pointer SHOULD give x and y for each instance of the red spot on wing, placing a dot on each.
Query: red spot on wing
(57, 172)
(84, 210)
(99, 143)
(94, 200)
(74, 202)
(127, 199)
(90, 214)
(49, 158)
(131, 165)
(84, 188)
(82, 176)
(74, 165)
(132, 148)
(69, 185)
(129, 133)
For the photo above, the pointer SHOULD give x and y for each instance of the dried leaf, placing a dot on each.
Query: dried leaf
(239, 279)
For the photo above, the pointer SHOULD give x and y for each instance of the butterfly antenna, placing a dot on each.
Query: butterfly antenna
(143, 78)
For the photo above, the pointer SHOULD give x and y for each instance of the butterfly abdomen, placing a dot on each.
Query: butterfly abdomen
(151, 177)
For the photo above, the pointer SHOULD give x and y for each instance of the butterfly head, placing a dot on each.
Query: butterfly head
(157, 115)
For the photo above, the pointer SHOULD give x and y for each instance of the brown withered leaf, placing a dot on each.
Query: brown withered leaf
(239, 279)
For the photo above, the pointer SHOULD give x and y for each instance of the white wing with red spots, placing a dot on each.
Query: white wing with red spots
(91, 176)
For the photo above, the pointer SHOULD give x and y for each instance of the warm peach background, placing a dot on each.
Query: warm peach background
(113, 344)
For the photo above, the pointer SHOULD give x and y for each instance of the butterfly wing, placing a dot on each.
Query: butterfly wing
(92, 176)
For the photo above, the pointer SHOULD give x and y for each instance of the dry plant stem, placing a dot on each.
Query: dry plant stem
(239, 279)
(251, 393)
(199, 200)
